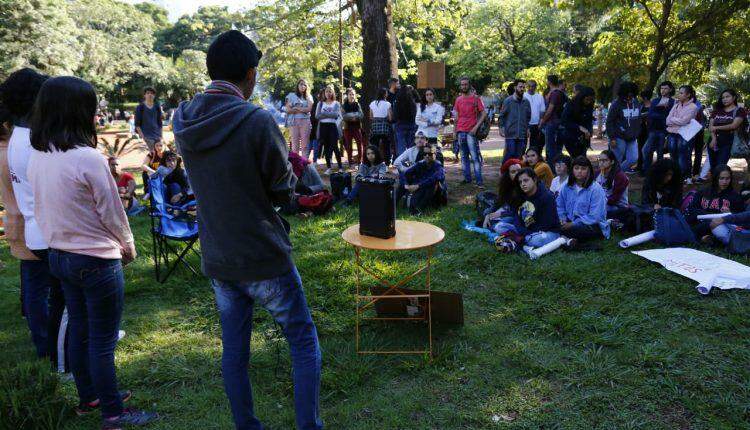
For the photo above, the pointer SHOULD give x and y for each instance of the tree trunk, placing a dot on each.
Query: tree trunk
(379, 56)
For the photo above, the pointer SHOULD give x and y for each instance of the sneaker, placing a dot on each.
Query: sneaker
(327, 172)
(87, 408)
(504, 245)
(129, 417)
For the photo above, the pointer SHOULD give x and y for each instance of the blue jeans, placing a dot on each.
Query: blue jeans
(723, 231)
(94, 292)
(404, 136)
(284, 299)
(655, 142)
(722, 153)
(626, 152)
(514, 148)
(554, 149)
(680, 150)
(534, 240)
(470, 156)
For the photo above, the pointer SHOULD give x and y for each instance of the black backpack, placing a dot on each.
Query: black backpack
(341, 184)
(485, 201)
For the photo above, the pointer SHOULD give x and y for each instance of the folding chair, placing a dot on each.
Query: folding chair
(173, 231)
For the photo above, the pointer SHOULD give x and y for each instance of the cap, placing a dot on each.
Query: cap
(509, 162)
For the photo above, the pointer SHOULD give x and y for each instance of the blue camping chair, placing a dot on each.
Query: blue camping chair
(173, 230)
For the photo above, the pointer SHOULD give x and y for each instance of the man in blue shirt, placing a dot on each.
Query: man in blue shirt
(148, 118)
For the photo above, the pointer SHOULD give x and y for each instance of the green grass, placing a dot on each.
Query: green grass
(599, 340)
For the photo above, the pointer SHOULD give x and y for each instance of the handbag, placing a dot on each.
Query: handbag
(671, 227)
(341, 185)
(739, 241)
(485, 202)
(318, 203)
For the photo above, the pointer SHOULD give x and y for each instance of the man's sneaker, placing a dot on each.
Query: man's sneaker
(129, 417)
(87, 408)
(504, 245)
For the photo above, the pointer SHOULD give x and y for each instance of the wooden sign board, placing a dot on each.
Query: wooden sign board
(430, 75)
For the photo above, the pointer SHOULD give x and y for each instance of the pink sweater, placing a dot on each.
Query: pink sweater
(680, 115)
(76, 203)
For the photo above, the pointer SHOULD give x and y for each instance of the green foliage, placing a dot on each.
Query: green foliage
(30, 397)
(735, 75)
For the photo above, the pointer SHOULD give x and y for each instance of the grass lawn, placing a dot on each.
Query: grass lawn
(573, 341)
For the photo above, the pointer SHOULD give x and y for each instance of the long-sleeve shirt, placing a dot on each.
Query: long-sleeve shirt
(680, 115)
(407, 159)
(658, 112)
(76, 203)
(584, 206)
(430, 119)
(706, 203)
(543, 172)
(515, 116)
(537, 213)
(425, 174)
(741, 219)
(617, 193)
(665, 198)
(367, 171)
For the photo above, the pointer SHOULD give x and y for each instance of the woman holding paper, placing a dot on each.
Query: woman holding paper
(682, 113)
(582, 205)
(720, 197)
(726, 119)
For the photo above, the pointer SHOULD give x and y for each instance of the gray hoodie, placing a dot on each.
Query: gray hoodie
(236, 159)
(624, 120)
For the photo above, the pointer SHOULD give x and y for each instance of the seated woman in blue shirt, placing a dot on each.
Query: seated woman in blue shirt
(582, 205)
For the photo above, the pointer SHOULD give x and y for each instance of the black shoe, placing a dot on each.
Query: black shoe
(129, 417)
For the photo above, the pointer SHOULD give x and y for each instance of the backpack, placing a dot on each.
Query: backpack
(341, 184)
(484, 127)
(485, 202)
(318, 203)
(671, 227)
(739, 241)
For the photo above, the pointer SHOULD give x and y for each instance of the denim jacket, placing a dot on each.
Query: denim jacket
(584, 206)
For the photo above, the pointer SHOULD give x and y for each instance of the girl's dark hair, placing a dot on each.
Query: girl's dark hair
(718, 170)
(655, 177)
(613, 170)
(424, 98)
(719, 105)
(381, 94)
(577, 102)
(18, 93)
(539, 156)
(63, 116)
(564, 159)
(378, 156)
(581, 160)
(627, 89)
(307, 91)
(689, 89)
(507, 193)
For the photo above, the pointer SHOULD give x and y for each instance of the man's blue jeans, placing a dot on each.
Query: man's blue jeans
(626, 152)
(680, 150)
(94, 293)
(284, 298)
(654, 143)
(470, 156)
(514, 148)
(404, 136)
(723, 232)
(554, 149)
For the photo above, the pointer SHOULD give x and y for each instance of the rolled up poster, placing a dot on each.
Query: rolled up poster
(713, 216)
(637, 240)
(546, 249)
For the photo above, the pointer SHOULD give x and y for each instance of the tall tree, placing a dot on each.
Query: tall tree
(379, 56)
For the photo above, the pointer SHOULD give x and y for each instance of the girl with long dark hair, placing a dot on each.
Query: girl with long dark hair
(507, 195)
(430, 116)
(352, 115)
(726, 120)
(663, 185)
(82, 219)
(614, 182)
(404, 113)
(532, 158)
(328, 114)
(298, 106)
(719, 197)
(576, 123)
(582, 205)
(372, 166)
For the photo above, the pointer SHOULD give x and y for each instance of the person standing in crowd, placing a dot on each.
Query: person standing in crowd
(298, 106)
(82, 219)
(657, 128)
(404, 113)
(236, 160)
(683, 111)
(624, 125)
(645, 100)
(125, 184)
(563, 166)
(582, 205)
(470, 113)
(394, 85)
(663, 185)
(533, 159)
(726, 119)
(430, 116)
(380, 129)
(514, 121)
(536, 102)
(551, 118)
(718, 197)
(148, 118)
(698, 142)
(576, 123)
(43, 298)
(314, 146)
(614, 182)
(328, 114)
(352, 126)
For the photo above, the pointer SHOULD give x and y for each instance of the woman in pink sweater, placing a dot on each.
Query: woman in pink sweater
(79, 213)
(681, 114)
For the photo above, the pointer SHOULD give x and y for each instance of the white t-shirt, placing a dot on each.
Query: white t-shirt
(379, 108)
(19, 151)
(557, 184)
(537, 106)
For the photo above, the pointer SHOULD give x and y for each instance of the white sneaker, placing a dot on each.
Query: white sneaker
(327, 172)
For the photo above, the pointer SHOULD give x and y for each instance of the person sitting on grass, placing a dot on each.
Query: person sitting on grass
(615, 184)
(582, 205)
(125, 184)
(563, 166)
(719, 197)
(507, 197)
(153, 160)
(535, 223)
(721, 228)
(372, 166)
(532, 158)
(663, 185)
(425, 183)
(410, 157)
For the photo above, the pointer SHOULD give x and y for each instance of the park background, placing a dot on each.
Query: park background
(573, 341)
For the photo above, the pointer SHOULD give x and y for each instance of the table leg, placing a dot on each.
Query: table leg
(429, 298)
(356, 298)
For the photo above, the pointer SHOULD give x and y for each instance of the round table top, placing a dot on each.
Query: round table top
(409, 235)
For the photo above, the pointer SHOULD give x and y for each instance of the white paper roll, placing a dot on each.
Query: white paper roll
(637, 240)
(546, 249)
(713, 216)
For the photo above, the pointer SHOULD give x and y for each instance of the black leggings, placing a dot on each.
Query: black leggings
(584, 232)
(329, 140)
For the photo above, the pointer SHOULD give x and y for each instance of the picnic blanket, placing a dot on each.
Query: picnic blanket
(710, 271)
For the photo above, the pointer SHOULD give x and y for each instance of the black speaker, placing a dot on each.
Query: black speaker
(377, 207)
